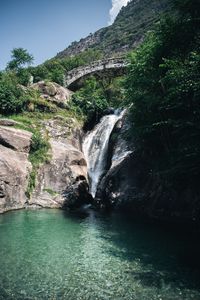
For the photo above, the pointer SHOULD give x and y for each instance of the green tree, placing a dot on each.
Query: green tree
(56, 71)
(20, 58)
(90, 100)
(163, 86)
(40, 72)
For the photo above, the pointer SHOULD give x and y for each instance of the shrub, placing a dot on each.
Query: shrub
(38, 155)
(163, 87)
(12, 96)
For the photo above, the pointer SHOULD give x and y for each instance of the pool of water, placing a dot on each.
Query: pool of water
(48, 254)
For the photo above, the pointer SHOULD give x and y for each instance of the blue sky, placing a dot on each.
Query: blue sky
(45, 27)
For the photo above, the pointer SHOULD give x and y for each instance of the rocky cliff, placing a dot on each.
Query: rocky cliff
(127, 31)
(128, 186)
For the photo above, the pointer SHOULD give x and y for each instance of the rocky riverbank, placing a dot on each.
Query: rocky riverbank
(65, 169)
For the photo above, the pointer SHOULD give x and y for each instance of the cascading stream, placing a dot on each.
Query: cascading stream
(95, 148)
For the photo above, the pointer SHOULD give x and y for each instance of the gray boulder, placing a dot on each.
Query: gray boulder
(14, 168)
(53, 92)
(8, 122)
(66, 167)
(16, 139)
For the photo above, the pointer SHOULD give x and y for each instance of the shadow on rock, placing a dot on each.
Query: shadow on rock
(77, 195)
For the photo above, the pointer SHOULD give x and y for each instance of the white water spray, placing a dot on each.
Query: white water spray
(95, 148)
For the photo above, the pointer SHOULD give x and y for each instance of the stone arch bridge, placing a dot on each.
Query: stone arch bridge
(75, 75)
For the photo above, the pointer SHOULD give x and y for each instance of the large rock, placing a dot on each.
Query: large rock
(77, 195)
(14, 167)
(8, 122)
(63, 130)
(14, 174)
(53, 92)
(16, 139)
(130, 185)
(66, 169)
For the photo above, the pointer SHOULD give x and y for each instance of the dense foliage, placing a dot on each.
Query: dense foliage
(163, 86)
(20, 58)
(96, 96)
(12, 96)
(56, 68)
(38, 154)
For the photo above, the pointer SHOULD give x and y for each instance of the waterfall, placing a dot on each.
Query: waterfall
(95, 148)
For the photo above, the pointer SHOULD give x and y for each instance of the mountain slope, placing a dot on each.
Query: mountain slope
(128, 30)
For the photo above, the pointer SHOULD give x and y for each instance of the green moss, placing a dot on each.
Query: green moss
(31, 183)
(51, 192)
(39, 154)
(39, 148)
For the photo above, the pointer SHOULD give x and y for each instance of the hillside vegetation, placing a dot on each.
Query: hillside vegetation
(163, 86)
(127, 31)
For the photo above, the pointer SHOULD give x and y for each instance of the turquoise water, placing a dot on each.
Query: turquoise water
(48, 254)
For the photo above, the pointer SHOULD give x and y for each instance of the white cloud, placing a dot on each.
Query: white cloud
(116, 6)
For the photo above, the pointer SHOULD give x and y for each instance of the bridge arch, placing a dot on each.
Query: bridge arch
(97, 66)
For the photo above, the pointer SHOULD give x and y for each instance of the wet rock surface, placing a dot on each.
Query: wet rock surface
(127, 185)
(77, 194)
(118, 185)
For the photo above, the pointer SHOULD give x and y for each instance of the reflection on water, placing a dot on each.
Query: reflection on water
(49, 254)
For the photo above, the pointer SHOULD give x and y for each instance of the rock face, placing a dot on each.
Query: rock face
(18, 140)
(127, 31)
(66, 170)
(14, 168)
(129, 185)
(8, 122)
(53, 92)
(66, 167)
(60, 182)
